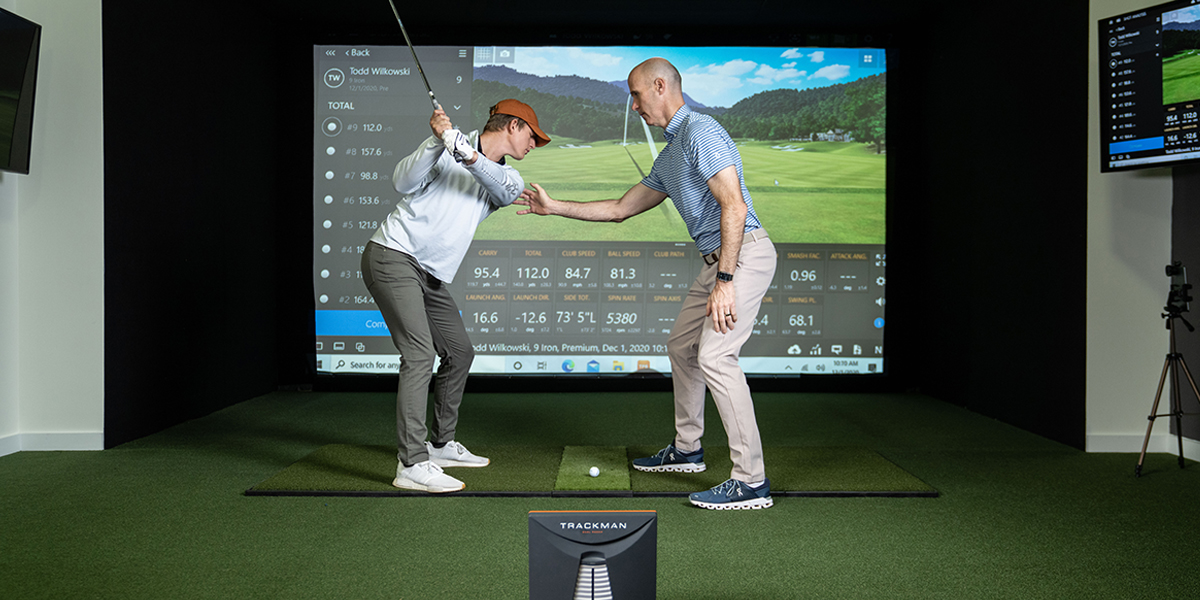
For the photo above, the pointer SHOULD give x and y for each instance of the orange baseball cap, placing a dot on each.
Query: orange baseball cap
(517, 108)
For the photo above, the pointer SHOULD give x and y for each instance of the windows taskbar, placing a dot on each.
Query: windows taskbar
(841, 361)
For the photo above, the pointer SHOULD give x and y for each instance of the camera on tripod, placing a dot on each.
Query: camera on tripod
(1177, 304)
(1178, 297)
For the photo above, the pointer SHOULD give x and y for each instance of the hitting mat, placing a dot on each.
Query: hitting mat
(348, 470)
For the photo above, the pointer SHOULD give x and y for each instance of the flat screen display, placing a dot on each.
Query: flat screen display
(19, 43)
(550, 296)
(1150, 87)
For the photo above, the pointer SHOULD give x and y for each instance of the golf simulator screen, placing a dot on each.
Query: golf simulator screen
(549, 296)
(1150, 87)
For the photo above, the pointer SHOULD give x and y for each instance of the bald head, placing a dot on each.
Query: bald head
(659, 68)
(656, 90)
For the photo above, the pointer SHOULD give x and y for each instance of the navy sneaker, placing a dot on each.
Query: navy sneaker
(734, 495)
(671, 460)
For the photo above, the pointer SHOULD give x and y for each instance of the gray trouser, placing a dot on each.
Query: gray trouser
(424, 322)
(704, 358)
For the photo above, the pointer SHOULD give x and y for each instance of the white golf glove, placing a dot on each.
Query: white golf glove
(458, 145)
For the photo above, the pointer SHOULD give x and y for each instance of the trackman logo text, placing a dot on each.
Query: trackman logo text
(590, 526)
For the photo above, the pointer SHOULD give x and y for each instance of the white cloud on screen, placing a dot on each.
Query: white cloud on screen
(818, 56)
(596, 58)
(714, 81)
(832, 72)
(1186, 15)
(548, 62)
(792, 53)
(767, 75)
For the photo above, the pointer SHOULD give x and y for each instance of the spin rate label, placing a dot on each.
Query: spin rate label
(622, 313)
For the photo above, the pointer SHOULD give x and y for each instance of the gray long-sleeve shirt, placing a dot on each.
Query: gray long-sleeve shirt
(444, 202)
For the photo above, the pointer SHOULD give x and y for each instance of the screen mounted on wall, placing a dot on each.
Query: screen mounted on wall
(1150, 87)
(556, 297)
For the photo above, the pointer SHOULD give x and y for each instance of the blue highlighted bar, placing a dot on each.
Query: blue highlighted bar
(1155, 143)
(343, 323)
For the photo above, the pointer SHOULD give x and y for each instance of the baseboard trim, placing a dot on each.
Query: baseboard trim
(51, 442)
(10, 444)
(1159, 442)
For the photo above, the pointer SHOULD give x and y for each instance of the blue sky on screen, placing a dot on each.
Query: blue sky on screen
(1183, 15)
(712, 76)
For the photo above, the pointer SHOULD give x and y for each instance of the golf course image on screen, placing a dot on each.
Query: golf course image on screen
(810, 125)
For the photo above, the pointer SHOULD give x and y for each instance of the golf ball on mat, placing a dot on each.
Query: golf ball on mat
(594, 472)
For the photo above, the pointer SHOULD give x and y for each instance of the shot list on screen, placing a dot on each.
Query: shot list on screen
(1138, 129)
(539, 307)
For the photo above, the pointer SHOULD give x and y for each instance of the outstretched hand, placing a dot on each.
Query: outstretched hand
(537, 201)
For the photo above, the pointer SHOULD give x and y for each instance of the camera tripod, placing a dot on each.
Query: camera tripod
(1173, 363)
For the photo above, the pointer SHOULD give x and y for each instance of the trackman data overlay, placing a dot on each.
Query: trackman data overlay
(551, 296)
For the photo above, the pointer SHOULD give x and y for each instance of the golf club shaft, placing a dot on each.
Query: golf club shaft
(433, 99)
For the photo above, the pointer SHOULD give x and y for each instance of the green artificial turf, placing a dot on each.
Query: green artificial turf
(351, 468)
(799, 470)
(577, 460)
(543, 470)
(1017, 516)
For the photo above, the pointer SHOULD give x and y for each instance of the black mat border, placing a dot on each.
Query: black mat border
(568, 494)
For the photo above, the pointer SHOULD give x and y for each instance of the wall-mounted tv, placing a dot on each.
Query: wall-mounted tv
(19, 42)
(554, 297)
(1150, 87)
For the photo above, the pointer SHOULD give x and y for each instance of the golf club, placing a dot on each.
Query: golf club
(653, 153)
(436, 106)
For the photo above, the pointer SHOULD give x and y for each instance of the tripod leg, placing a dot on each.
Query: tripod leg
(1188, 373)
(1137, 471)
(1177, 405)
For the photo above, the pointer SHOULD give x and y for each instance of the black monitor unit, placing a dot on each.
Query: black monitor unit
(19, 42)
(1150, 87)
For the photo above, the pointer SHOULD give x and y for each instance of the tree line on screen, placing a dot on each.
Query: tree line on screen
(857, 109)
(1176, 41)
(564, 116)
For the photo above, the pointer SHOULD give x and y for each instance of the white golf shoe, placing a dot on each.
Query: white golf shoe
(426, 477)
(454, 454)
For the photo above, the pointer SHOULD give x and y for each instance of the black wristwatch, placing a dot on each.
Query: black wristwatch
(723, 276)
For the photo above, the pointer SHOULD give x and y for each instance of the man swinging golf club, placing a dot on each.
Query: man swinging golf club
(451, 183)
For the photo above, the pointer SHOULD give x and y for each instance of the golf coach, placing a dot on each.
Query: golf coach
(700, 169)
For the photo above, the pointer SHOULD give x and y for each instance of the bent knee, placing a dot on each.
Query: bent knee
(417, 361)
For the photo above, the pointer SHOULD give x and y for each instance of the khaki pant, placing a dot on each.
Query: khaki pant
(704, 358)
(424, 322)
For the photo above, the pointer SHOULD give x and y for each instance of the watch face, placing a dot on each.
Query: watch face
(723, 276)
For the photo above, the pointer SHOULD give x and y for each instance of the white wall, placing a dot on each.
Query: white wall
(52, 245)
(1129, 243)
(8, 305)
